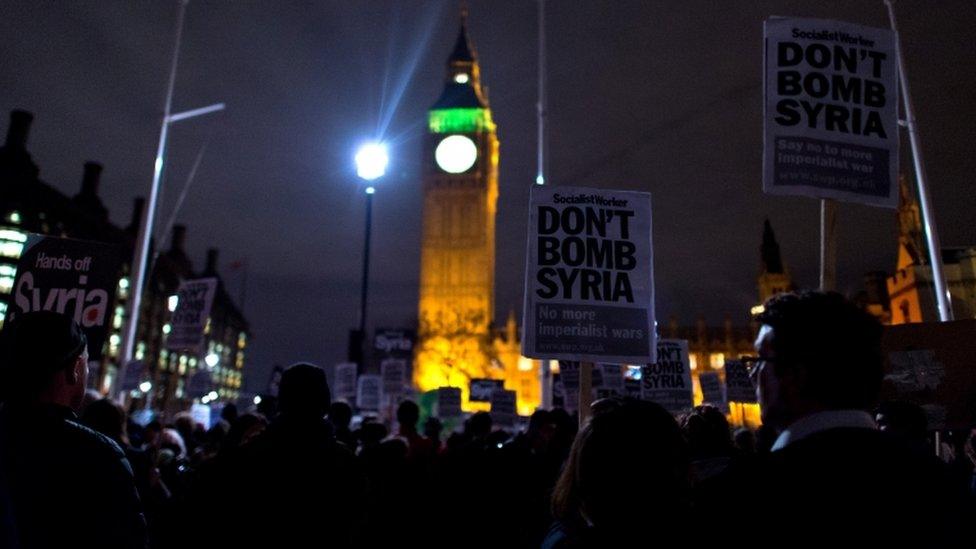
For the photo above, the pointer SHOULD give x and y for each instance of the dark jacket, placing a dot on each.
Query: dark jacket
(65, 484)
(292, 486)
(843, 484)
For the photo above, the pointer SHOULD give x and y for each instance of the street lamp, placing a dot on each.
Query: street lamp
(371, 162)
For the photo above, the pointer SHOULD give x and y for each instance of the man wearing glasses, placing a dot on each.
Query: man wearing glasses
(832, 475)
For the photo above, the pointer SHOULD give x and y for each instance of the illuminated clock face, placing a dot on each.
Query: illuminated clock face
(456, 154)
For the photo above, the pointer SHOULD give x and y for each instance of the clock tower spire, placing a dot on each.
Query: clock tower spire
(457, 263)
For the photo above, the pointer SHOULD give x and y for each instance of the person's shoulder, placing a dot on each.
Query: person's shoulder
(90, 440)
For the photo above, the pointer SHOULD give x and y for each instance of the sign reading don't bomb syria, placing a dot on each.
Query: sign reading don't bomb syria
(589, 292)
(831, 111)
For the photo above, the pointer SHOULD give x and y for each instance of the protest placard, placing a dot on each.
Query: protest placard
(345, 381)
(448, 402)
(77, 278)
(394, 372)
(712, 390)
(503, 410)
(194, 300)
(668, 381)
(368, 389)
(482, 389)
(589, 292)
(738, 386)
(831, 111)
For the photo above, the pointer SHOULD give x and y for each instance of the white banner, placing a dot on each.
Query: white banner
(368, 389)
(448, 402)
(831, 111)
(668, 381)
(503, 409)
(738, 386)
(345, 381)
(394, 372)
(589, 288)
(194, 300)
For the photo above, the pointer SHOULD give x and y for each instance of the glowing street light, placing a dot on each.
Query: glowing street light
(371, 161)
(211, 359)
(145, 386)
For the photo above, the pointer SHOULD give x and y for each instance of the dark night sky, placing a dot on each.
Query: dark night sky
(657, 96)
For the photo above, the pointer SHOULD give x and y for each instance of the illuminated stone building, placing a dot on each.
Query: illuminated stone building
(911, 289)
(456, 338)
(30, 205)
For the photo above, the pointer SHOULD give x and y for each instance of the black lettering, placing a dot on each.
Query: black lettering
(787, 113)
(544, 277)
(548, 250)
(548, 219)
(789, 54)
(788, 83)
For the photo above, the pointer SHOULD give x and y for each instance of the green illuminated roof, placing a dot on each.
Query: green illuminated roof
(460, 120)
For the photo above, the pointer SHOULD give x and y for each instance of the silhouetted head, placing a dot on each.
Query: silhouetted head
(304, 392)
(229, 413)
(707, 432)
(408, 414)
(340, 414)
(107, 417)
(479, 425)
(598, 488)
(44, 357)
(433, 428)
(818, 351)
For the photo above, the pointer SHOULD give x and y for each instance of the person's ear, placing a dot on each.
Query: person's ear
(76, 372)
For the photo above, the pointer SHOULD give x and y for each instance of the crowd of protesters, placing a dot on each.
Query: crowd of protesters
(828, 465)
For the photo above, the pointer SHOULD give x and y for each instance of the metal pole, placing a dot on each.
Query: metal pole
(545, 372)
(138, 269)
(365, 285)
(828, 245)
(928, 216)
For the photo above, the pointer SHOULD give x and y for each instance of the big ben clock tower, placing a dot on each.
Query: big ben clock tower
(457, 265)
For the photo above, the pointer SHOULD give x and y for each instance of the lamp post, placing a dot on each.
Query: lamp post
(141, 253)
(371, 161)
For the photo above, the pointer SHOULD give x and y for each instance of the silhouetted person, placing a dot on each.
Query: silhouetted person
(419, 449)
(293, 484)
(340, 415)
(627, 472)
(709, 441)
(831, 470)
(745, 441)
(432, 430)
(61, 484)
(529, 472)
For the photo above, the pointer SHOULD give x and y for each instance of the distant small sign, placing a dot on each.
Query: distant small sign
(738, 386)
(448, 402)
(482, 389)
(503, 409)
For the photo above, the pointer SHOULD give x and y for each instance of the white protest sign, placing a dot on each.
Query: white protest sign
(482, 389)
(503, 407)
(448, 402)
(712, 392)
(831, 111)
(589, 288)
(394, 372)
(668, 381)
(368, 390)
(738, 386)
(194, 299)
(345, 381)
(569, 377)
(200, 414)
